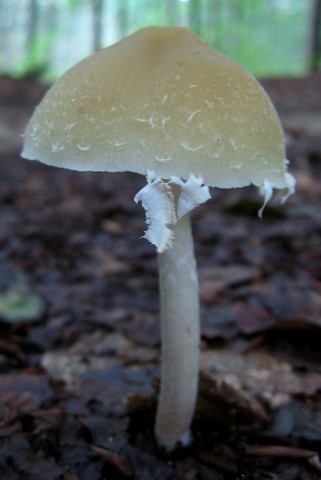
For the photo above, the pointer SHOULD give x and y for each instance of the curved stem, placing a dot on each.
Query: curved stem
(179, 297)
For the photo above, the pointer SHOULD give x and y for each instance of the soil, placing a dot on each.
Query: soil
(80, 340)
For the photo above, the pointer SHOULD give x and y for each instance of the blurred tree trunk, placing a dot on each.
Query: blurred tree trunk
(122, 18)
(51, 20)
(212, 14)
(33, 22)
(195, 16)
(98, 28)
(315, 41)
(211, 8)
(172, 12)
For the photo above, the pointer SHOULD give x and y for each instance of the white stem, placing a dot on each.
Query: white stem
(180, 323)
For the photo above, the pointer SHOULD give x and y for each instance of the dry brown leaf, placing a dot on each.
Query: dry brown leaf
(261, 374)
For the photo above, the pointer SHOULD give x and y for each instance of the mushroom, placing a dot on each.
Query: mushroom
(163, 103)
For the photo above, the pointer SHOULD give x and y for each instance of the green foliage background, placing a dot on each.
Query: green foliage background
(268, 37)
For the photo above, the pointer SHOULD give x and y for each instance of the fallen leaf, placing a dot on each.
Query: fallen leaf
(27, 385)
(261, 374)
(119, 463)
(219, 401)
(20, 307)
(216, 279)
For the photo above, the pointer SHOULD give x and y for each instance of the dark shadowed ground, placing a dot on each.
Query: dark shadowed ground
(80, 343)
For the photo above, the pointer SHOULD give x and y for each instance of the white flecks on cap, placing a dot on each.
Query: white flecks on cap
(160, 100)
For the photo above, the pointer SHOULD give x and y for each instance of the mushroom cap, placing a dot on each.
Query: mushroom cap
(161, 100)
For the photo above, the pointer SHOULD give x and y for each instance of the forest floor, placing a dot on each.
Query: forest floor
(80, 339)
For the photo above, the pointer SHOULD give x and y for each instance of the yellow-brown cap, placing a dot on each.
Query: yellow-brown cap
(161, 100)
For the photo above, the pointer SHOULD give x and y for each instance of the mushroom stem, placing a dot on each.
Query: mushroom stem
(180, 324)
